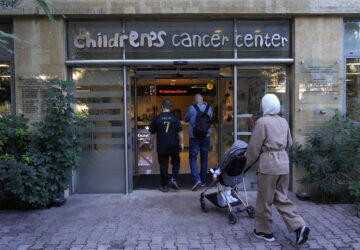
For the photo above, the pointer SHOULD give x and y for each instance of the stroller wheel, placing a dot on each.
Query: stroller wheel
(203, 206)
(251, 211)
(232, 217)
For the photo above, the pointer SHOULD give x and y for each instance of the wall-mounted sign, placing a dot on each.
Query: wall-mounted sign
(185, 40)
(172, 91)
(178, 39)
(184, 90)
(33, 93)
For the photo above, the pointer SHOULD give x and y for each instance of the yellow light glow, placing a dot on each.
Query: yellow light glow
(257, 31)
(218, 31)
(209, 86)
(43, 77)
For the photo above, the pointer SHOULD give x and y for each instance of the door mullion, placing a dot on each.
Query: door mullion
(136, 128)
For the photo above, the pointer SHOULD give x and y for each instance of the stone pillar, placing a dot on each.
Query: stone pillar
(39, 58)
(318, 77)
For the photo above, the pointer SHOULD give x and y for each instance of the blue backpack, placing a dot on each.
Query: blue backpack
(202, 122)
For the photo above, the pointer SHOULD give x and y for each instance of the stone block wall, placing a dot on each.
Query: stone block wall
(318, 76)
(193, 7)
(39, 58)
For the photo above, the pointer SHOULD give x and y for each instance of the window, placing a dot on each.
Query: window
(353, 88)
(6, 81)
(5, 88)
(352, 79)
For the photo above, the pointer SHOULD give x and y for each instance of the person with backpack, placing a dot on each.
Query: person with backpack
(199, 118)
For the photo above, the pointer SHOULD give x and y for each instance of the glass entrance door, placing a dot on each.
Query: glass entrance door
(252, 84)
(150, 89)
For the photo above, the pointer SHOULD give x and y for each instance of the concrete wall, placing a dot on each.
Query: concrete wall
(318, 72)
(37, 60)
(226, 7)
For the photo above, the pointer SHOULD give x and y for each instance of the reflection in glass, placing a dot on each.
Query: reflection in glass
(253, 84)
(103, 146)
(103, 135)
(5, 88)
(100, 100)
(353, 88)
(352, 36)
(103, 111)
(226, 113)
(99, 88)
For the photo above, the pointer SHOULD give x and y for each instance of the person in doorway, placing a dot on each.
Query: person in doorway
(169, 137)
(270, 140)
(199, 118)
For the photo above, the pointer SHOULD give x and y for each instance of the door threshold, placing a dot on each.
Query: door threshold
(152, 181)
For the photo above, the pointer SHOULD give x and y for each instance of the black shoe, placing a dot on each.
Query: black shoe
(163, 189)
(174, 184)
(203, 184)
(302, 234)
(196, 186)
(264, 236)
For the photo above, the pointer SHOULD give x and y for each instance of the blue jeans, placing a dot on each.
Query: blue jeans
(197, 145)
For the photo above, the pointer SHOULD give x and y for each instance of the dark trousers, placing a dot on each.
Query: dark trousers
(164, 164)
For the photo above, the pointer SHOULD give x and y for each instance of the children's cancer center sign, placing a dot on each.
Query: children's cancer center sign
(185, 40)
(159, 38)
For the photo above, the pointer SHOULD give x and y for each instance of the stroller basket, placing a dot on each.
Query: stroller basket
(214, 199)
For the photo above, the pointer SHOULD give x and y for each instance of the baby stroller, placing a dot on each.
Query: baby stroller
(231, 173)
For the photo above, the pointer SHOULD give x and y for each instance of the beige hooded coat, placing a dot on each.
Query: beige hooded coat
(270, 140)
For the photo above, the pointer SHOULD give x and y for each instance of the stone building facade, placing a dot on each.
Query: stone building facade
(234, 51)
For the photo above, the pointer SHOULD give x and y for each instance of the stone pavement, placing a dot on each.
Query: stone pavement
(153, 220)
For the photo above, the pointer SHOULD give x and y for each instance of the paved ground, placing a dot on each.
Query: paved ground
(153, 220)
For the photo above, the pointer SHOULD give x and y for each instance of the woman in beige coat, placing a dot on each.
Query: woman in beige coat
(269, 142)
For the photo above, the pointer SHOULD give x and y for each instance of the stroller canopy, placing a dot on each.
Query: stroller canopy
(234, 159)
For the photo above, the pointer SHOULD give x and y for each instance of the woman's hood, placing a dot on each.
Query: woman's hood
(270, 104)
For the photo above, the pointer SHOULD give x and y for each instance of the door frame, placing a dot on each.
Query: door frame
(134, 81)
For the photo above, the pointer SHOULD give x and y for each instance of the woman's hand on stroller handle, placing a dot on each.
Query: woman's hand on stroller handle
(215, 173)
